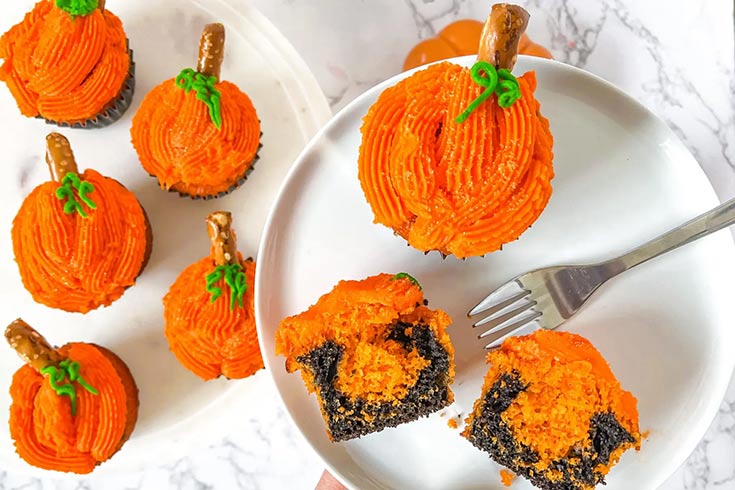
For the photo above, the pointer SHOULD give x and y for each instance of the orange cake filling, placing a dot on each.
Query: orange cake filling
(462, 189)
(357, 315)
(568, 381)
(178, 143)
(212, 338)
(64, 69)
(45, 432)
(78, 263)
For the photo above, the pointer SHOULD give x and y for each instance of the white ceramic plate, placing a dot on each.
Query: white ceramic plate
(178, 411)
(622, 177)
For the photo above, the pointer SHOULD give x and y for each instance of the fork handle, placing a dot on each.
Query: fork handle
(713, 220)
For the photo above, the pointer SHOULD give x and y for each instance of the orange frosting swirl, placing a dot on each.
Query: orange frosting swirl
(209, 338)
(462, 189)
(78, 264)
(46, 434)
(178, 143)
(62, 69)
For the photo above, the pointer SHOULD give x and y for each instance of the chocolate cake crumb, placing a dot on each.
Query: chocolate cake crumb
(348, 419)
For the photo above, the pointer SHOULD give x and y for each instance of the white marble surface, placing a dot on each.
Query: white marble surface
(675, 56)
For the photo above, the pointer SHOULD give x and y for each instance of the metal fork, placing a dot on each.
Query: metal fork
(553, 294)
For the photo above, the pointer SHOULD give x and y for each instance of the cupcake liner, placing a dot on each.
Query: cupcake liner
(234, 186)
(113, 112)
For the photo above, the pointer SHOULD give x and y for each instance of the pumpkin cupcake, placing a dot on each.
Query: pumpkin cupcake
(80, 239)
(198, 135)
(72, 408)
(459, 160)
(68, 62)
(552, 411)
(373, 352)
(209, 310)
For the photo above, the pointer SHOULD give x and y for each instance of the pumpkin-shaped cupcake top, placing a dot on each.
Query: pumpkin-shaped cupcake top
(197, 134)
(72, 408)
(67, 61)
(209, 310)
(460, 160)
(80, 239)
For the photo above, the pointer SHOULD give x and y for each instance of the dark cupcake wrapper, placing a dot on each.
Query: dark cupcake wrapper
(114, 111)
(234, 186)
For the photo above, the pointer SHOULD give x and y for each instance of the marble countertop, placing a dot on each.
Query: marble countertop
(676, 57)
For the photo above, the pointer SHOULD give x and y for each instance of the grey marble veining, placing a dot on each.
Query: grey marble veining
(675, 57)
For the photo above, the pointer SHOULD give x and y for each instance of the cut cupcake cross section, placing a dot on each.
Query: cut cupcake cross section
(552, 411)
(375, 355)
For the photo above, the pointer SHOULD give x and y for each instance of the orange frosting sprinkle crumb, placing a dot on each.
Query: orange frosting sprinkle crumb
(507, 477)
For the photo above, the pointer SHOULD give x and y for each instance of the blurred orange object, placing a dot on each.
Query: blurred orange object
(526, 46)
(461, 38)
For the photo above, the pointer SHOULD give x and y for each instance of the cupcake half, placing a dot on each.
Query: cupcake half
(197, 134)
(81, 239)
(72, 408)
(373, 353)
(69, 63)
(552, 411)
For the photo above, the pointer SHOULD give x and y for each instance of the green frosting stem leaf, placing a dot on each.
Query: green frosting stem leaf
(70, 182)
(500, 82)
(406, 275)
(77, 8)
(234, 278)
(508, 90)
(206, 91)
(67, 369)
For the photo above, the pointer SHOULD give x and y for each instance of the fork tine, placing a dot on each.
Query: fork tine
(493, 323)
(494, 339)
(485, 306)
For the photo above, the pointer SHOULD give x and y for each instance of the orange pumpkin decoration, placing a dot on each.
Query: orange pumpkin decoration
(70, 65)
(209, 335)
(197, 134)
(527, 46)
(72, 408)
(79, 240)
(454, 160)
(461, 38)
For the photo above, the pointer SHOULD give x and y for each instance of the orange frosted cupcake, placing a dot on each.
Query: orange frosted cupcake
(73, 407)
(69, 63)
(552, 411)
(375, 355)
(209, 310)
(198, 135)
(459, 160)
(80, 239)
